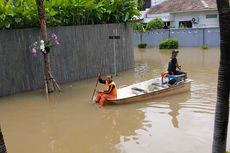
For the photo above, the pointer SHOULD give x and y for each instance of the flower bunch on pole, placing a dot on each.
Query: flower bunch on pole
(43, 46)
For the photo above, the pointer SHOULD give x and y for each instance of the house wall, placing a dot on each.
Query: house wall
(175, 18)
(156, 2)
(163, 16)
(201, 16)
(81, 53)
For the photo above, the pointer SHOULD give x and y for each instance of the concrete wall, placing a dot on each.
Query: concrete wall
(81, 53)
(186, 37)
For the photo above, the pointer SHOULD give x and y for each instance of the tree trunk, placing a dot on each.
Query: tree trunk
(2, 144)
(223, 87)
(47, 68)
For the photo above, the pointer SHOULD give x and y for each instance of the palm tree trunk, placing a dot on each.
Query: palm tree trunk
(223, 88)
(2, 144)
(47, 68)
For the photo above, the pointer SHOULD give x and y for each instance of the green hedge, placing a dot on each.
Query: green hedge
(169, 44)
(23, 13)
(142, 45)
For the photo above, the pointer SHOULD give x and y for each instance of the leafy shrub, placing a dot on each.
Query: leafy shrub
(23, 13)
(142, 45)
(205, 46)
(156, 23)
(138, 27)
(169, 44)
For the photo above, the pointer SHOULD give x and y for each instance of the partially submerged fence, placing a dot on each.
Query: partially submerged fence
(80, 55)
(186, 37)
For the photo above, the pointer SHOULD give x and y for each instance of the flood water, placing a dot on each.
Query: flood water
(68, 122)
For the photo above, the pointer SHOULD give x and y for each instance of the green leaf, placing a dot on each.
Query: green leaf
(52, 13)
(1, 5)
(17, 20)
(53, 2)
(126, 16)
(57, 21)
(8, 4)
(3, 17)
(7, 25)
(59, 2)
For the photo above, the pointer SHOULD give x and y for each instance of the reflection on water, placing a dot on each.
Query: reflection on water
(69, 122)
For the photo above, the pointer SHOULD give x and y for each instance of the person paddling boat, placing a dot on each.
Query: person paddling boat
(173, 65)
(110, 92)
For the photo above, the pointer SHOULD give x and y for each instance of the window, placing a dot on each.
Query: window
(185, 24)
(211, 16)
(167, 25)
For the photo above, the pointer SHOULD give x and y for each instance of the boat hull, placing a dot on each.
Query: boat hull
(180, 88)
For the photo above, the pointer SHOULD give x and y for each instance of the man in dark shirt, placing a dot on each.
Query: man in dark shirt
(173, 65)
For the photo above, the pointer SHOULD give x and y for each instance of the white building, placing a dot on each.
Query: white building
(184, 13)
(156, 2)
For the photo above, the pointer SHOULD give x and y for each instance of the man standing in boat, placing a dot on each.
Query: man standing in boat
(110, 92)
(173, 65)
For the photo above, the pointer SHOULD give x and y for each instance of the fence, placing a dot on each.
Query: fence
(81, 53)
(186, 37)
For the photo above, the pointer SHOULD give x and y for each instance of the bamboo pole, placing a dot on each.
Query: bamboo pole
(55, 82)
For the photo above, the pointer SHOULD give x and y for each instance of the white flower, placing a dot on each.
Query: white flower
(42, 46)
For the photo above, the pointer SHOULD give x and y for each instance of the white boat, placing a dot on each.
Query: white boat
(150, 89)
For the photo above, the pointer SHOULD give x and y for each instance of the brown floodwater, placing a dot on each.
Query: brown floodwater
(68, 122)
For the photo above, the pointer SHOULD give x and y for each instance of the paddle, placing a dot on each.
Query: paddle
(179, 67)
(97, 82)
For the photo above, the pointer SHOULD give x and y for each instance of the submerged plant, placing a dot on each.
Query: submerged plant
(170, 43)
(142, 45)
(205, 46)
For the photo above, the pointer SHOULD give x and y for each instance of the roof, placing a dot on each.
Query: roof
(182, 5)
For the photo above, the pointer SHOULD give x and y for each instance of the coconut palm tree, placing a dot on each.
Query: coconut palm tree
(47, 70)
(2, 144)
(223, 87)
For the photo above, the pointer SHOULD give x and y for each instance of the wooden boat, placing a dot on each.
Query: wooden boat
(153, 88)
